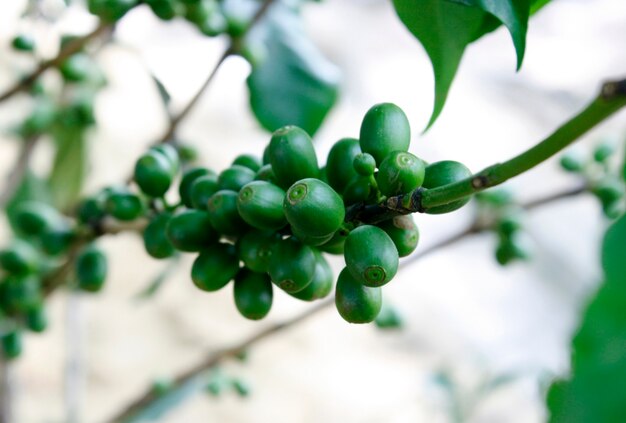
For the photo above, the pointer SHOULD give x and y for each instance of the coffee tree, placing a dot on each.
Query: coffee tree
(267, 223)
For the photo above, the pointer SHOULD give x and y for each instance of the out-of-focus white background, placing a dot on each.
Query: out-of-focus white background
(466, 317)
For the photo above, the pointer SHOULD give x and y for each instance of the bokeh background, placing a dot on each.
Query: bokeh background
(480, 342)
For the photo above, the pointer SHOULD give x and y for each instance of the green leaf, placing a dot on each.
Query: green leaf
(446, 28)
(294, 84)
(69, 166)
(31, 188)
(595, 392)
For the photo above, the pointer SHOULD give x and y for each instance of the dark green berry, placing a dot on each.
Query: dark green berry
(20, 258)
(292, 156)
(23, 42)
(235, 177)
(314, 208)
(91, 269)
(155, 239)
(266, 173)
(77, 67)
(57, 241)
(253, 294)
(191, 230)
(34, 218)
(110, 10)
(364, 164)
(385, 128)
(291, 265)
(153, 174)
(223, 213)
(400, 173)
(260, 204)
(572, 162)
(91, 210)
(603, 151)
(36, 319)
(358, 190)
(21, 293)
(322, 283)
(189, 177)
(443, 173)
(355, 302)
(308, 239)
(170, 153)
(11, 344)
(371, 256)
(336, 244)
(214, 267)
(248, 160)
(123, 204)
(255, 248)
(163, 9)
(339, 165)
(202, 189)
(403, 232)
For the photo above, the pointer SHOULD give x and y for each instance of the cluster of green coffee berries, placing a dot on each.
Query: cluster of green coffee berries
(598, 169)
(500, 207)
(267, 222)
(211, 17)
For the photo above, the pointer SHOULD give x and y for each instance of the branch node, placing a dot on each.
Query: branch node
(613, 89)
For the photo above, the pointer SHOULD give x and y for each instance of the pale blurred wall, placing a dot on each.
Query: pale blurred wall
(464, 314)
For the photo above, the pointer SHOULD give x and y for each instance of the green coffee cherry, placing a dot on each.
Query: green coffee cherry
(91, 269)
(23, 42)
(163, 9)
(77, 67)
(123, 204)
(509, 224)
(291, 265)
(322, 283)
(260, 204)
(400, 173)
(57, 241)
(608, 190)
(191, 230)
(314, 208)
(510, 249)
(292, 156)
(403, 232)
(265, 159)
(215, 267)
(33, 218)
(155, 239)
(202, 189)
(154, 174)
(339, 165)
(312, 240)
(573, 162)
(110, 10)
(603, 151)
(444, 173)
(223, 214)
(189, 177)
(171, 154)
(36, 319)
(235, 177)
(255, 248)
(389, 318)
(266, 173)
(355, 302)
(385, 128)
(358, 190)
(20, 258)
(248, 160)
(371, 256)
(11, 344)
(90, 210)
(21, 293)
(336, 244)
(364, 164)
(253, 294)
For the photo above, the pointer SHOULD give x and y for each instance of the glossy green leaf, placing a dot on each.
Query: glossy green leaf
(446, 28)
(293, 83)
(595, 391)
(69, 166)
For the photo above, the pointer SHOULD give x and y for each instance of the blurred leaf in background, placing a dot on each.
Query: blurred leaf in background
(596, 390)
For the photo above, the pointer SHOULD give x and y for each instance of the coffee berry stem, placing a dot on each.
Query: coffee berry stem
(611, 99)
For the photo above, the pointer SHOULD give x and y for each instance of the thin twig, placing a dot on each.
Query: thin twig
(6, 390)
(20, 166)
(215, 358)
(71, 48)
(233, 48)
